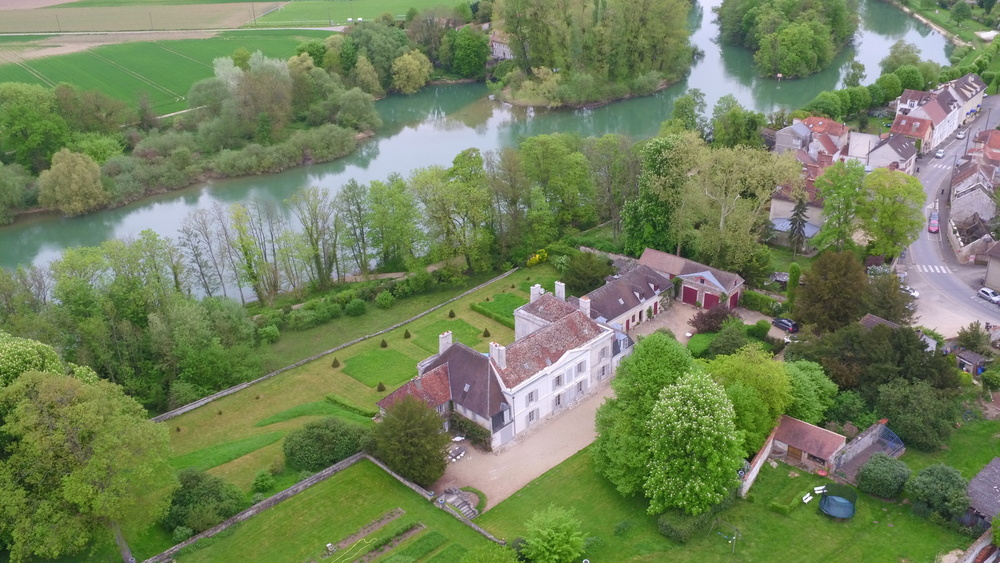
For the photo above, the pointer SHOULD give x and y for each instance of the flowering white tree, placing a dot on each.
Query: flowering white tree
(696, 451)
(19, 355)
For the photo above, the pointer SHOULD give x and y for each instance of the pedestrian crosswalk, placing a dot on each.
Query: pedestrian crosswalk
(928, 269)
(941, 165)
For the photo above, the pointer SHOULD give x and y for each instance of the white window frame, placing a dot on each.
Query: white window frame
(531, 398)
(581, 367)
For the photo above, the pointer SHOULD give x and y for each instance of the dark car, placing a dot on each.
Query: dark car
(787, 325)
(932, 224)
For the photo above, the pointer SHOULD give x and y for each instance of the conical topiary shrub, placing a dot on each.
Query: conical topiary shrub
(383, 344)
(451, 313)
(381, 387)
(336, 363)
(406, 334)
(486, 333)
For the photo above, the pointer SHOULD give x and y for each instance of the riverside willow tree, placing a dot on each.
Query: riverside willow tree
(81, 465)
(795, 38)
(581, 51)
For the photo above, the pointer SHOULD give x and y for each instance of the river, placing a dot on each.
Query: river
(434, 125)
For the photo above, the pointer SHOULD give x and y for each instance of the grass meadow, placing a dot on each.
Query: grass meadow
(879, 532)
(291, 399)
(299, 528)
(337, 12)
(165, 70)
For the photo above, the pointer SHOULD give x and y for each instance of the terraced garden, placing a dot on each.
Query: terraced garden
(373, 511)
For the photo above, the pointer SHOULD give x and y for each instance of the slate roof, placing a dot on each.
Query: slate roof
(470, 382)
(540, 349)
(984, 490)
(971, 357)
(870, 321)
(673, 265)
(825, 125)
(623, 294)
(784, 225)
(910, 126)
(814, 440)
(800, 129)
(917, 96)
(548, 307)
(901, 145)
(432, 388)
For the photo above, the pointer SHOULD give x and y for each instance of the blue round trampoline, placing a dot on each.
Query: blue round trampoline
(838, 501)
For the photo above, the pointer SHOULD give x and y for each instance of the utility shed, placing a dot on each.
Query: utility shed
(806, 444)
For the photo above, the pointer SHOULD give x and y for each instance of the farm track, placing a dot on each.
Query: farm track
(136, 75)
(12, 55)
(161, 45)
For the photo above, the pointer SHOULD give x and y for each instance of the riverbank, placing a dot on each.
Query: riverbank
(504, 96)
(952, 37)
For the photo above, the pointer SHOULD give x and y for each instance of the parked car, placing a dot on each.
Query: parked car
(939, 153)
(909, 291)
(932, 223)
(988, 294)
(791, 338)
(787, 325)
(960, 135)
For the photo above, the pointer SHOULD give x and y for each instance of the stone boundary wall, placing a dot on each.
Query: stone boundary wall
(260, 506)
(758, 462)
(868, 437)
(970, 554)
(236, 388)
(297, 488)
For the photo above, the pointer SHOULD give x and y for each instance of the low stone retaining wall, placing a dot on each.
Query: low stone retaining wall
(236, 388)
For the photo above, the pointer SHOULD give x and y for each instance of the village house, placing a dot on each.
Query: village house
(500, 46)
(629, 298)
(558, 356)
(919, 129)
(972, 193)
(931, 117)
(701, 285)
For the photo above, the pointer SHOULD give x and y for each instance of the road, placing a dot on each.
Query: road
(948, 289)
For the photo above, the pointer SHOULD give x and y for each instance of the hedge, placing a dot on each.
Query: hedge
(335, 400)
(761, 303)
(502, 319)
(476, 434)
(679, 526)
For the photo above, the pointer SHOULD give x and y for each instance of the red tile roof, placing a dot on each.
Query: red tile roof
(911, 126)
(814, 440)
(535, 352)
(825, 125)
(548, 307)
(432, 388)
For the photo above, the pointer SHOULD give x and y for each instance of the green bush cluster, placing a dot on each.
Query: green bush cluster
(761, 303)
(883, 476)
(320, 444)
(202, 501)
(355, 308)
(678, 526)
(475, 433)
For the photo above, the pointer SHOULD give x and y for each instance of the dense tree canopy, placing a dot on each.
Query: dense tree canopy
(759, 389)
(621, 450)
(829, 298)
(696, 451)
(553, 536)
(411, 441)
(81, 464)
(792, 38)
(890, 210)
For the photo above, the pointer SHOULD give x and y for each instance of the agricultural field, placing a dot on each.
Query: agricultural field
(324, 12)
(236, 436)
(299, 528)
(30, 16)
(879, 532)
(164, 69)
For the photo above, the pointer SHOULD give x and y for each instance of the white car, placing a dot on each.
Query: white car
(909, 291)
(960, 135)
(990, 295)
(939, 153)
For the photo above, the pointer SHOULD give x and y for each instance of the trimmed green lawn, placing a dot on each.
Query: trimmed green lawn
(304, 12)
(879, 531)
(329, 512)
(223, 453)
(461, 331)
(545, 278)
(970, 448)
(381, 365)
(318, 408)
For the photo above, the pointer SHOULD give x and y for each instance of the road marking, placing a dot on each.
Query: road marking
(929, 269)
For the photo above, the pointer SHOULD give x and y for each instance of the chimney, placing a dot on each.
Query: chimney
(561, 291)
(417, 383)
(498, 353)
(536, 292)
(585, 306)
(444, 342)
